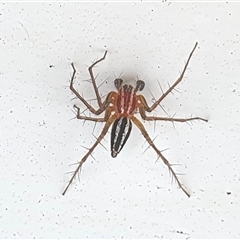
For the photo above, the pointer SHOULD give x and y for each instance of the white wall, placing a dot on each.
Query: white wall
(130, 196)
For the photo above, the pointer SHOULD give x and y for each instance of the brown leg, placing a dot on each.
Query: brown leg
(153, 118)
(149, 109)
(94, 81)
(79, 116)
(101, 136)
(145, 134)
(102, 106)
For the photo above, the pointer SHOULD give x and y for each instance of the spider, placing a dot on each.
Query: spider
(120, 108)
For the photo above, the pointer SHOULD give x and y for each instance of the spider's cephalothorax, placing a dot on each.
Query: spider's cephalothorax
(125, 107)
(120, 108)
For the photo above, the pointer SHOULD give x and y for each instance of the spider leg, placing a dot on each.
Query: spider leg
(102, 106)
(171, 119)
(94, 81)
(108, 123)
(153, 118)
(149, 140)
(149, 109)
(79, 116)
(98, 111)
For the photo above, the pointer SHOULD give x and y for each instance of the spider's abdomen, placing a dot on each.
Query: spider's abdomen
(121, 130)
(126, 101)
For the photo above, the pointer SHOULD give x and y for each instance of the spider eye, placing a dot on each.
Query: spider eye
(118, 82)
(140, 85)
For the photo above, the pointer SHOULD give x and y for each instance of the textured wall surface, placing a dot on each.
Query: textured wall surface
(133, 195)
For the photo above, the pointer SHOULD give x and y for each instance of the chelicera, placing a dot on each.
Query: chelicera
(119, 110)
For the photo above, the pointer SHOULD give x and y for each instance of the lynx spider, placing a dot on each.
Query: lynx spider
(120, 108)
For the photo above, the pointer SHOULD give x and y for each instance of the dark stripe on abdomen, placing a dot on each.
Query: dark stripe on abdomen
(120, 132)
